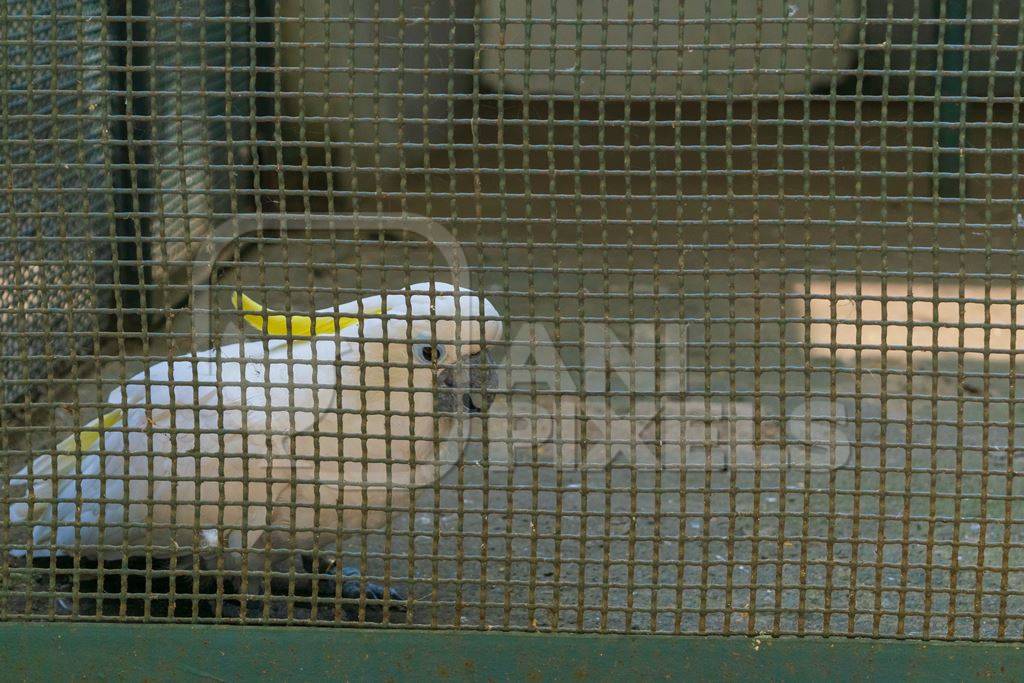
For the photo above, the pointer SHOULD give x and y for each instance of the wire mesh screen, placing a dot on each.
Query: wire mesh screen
(663, 317)
(57, 221)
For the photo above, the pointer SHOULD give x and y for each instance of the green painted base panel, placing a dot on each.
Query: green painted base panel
(157, 653)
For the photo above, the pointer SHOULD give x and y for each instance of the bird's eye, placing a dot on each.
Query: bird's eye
(428, 353)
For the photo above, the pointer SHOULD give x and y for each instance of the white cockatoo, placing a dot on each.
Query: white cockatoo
(276, 445)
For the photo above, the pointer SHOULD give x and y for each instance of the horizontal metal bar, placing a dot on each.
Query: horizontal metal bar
(52, 651)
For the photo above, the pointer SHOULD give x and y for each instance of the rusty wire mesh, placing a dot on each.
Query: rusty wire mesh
(756, 264)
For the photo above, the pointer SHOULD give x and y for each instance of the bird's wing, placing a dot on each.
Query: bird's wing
(235, 399)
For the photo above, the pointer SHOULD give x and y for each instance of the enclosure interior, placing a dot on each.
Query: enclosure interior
(807, 211)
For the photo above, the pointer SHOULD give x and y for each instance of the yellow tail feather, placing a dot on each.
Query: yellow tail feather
(67, 452)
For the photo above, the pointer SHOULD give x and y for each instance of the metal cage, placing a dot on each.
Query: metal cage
(736, 353)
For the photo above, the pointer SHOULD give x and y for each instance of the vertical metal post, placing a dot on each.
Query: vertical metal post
(951, 48)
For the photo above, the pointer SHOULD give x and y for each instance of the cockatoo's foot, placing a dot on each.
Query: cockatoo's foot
(347, 581)
(353, 589)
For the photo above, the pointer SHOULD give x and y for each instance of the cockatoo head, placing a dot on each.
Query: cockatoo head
(434, 328)
(429, 336)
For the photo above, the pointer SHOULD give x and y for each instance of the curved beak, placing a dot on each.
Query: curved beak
(466, 386)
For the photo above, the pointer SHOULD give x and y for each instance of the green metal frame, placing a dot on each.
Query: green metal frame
(52, 651)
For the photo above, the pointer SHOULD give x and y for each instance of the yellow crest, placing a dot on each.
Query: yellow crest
(281, 325)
